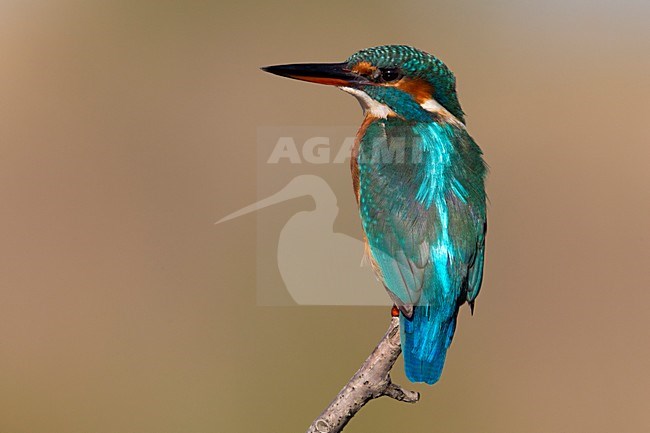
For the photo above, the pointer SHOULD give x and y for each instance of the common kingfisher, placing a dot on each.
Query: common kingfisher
(418, 178)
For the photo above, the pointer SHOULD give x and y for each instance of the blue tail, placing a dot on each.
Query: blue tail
(425, 339)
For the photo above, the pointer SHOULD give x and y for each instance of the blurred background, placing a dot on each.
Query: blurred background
(127, 128)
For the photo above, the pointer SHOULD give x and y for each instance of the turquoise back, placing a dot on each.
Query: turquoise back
(422, 204)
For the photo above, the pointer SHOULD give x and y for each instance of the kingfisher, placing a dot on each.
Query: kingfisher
(419, 182)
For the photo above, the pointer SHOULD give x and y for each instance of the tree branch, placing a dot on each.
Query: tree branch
(371, 381)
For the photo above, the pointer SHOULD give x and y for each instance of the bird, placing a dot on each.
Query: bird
(419, 182)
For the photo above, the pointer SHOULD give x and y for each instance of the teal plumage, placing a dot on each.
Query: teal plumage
(419, 181)
(424, 223)
(424, 218)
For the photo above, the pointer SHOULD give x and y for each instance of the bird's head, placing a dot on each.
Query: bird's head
(390, 80)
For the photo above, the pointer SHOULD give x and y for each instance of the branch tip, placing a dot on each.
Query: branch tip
(400, 394)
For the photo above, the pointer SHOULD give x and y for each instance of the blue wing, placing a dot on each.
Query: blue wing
(422, 206)
(475, 277)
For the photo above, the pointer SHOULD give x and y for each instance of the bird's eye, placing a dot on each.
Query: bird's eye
(390, 74)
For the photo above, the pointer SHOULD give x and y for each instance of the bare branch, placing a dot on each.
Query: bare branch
(371, 381)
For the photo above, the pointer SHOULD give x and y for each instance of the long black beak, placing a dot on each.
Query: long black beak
(333, 74)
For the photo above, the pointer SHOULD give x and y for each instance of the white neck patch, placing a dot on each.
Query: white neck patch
(369, 105)
(432, 106)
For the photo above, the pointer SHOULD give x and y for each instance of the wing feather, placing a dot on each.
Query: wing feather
(406, 235)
